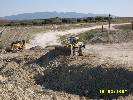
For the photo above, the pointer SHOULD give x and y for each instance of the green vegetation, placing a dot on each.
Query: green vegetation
(123, 19)
(86, 36)
(97, 36)
(58, 20)
(124, 27)
(55, 20)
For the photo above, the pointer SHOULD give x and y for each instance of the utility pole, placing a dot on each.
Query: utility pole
(109, 21)
(102, 28)
(102, 23)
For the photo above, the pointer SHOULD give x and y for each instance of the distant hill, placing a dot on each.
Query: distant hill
(45, 15)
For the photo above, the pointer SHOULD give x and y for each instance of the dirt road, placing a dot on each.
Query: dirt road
(51, 38)
(120, 53)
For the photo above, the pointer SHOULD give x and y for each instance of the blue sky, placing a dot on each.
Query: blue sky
(115, 7)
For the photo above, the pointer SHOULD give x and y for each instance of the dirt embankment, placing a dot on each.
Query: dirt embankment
(17, 77)
(46, 74)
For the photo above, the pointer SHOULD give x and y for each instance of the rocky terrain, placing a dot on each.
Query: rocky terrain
(15, 33)
(48, 74)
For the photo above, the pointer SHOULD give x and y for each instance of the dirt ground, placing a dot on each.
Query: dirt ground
(51, 37)
(16, 33)
(115, 53)
(46, 74)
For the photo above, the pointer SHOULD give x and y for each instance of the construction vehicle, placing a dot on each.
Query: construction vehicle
(74, 45)
(74, 42)
(15, 46)
(18, 46)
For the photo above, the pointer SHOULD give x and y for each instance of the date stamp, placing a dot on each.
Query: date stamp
(111, 91)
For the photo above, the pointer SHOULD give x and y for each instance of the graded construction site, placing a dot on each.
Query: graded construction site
(40, 72)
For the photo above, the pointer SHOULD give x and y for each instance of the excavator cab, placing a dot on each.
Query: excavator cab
(71, 41)
(71, 47)
(74, 44)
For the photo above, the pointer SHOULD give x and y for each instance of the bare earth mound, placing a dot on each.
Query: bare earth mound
(44, 74)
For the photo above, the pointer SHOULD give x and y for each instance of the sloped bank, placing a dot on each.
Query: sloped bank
(83, 79)
(17, 77)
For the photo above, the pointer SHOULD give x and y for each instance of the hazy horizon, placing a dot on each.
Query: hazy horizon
(122, 8)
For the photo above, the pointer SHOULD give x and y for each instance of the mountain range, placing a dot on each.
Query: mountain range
(46, 15)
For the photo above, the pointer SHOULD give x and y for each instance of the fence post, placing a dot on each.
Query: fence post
(109, 21)
(102, 28)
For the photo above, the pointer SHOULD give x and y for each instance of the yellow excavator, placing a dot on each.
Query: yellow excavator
(74, 44)
(18, 45)
(15, 46)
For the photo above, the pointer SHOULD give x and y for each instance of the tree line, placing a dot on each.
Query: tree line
(55, 20)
